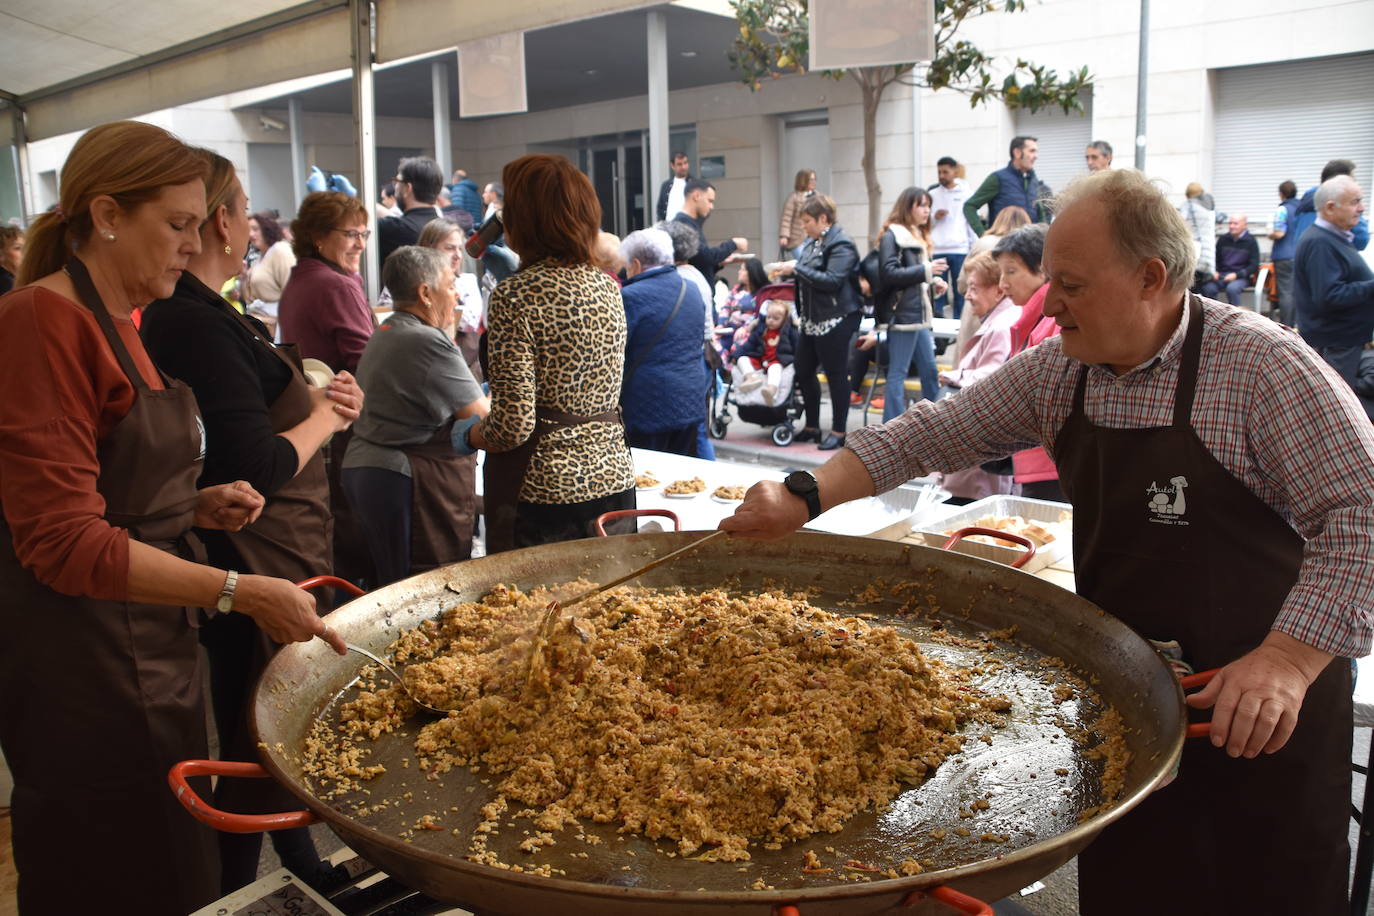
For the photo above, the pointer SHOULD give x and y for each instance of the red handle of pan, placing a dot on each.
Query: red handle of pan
(225, 821)
(1201, 679)
(1022, 560)
(634, 513)
(332, 582)
(951, 898)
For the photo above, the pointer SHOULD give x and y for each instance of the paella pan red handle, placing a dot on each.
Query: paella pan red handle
(225, 821)
(1201, 679)
(1022, 560)
(601, 520)
(331, 581)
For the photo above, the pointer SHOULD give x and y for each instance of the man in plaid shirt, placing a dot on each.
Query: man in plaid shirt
(1222, 478)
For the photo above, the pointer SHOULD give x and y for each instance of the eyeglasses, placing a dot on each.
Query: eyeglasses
(354, 235)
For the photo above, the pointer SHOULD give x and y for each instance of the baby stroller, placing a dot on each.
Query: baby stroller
(752, 406)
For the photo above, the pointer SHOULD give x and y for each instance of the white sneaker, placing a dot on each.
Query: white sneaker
(769, 393)
(751, 382)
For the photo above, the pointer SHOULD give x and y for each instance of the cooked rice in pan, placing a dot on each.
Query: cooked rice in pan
(708, 718)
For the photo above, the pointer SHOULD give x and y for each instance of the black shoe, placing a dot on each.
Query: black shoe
(807, 434)
(831, 443)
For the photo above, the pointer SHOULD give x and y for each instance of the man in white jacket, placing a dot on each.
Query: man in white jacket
(950, 234)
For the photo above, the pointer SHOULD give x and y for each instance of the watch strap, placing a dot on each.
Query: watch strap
(225, 603)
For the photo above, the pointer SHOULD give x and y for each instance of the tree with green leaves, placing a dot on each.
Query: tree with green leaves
(773, 41)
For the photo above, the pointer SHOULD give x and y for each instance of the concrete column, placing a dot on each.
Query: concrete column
(916, 153)
(443, 139)
(298, 170)
(23, 166)
(1142, 84)
(362, 18)
(658, 107)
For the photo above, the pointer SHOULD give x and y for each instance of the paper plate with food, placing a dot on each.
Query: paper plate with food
(728, 494)
(685, 489)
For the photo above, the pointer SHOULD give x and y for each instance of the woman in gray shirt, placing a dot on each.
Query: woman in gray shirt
(415, 497)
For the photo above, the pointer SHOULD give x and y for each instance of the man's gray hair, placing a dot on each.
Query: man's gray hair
(686, 242)
(409, 266)
(650, 247)
(1144, 224)
(1332, 191)
(1102, 146)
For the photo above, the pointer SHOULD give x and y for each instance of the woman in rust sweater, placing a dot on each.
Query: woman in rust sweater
(100, 684)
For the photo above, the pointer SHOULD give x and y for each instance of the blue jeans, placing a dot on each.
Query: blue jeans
(902, 346)
(956, 263)
(1212, 288)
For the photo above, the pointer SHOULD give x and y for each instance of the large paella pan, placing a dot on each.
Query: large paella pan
(1046, 791)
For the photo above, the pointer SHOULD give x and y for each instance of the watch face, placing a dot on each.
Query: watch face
(801, 483)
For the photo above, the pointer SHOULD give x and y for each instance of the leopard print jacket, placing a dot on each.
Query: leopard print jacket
(557, 338)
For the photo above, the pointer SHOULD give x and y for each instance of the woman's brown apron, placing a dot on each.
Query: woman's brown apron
(503, 473)
(443, 502)
(99, 698)
(1166, 539)
(291, 540)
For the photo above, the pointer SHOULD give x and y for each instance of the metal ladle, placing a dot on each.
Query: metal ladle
(350, 588)
(393, 672)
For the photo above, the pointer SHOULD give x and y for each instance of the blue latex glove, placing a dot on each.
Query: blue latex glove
(459, 437)
(316, 181)
(341, 183)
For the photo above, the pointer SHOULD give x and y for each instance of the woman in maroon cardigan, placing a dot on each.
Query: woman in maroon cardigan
(323, 308)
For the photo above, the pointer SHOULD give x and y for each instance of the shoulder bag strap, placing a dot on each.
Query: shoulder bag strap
(644, 353)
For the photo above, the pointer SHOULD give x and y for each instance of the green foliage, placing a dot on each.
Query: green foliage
(773, 41)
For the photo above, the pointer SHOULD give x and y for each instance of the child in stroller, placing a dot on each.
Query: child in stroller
(771, 347)
(761, 382)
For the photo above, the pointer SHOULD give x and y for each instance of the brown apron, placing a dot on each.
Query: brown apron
(292, 537)
(503, 473)
(1169, 541)
(443, 503)
(99, 698)
(289, 540)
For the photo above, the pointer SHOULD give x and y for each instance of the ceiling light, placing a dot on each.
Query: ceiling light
(592, 72)
(688, 53)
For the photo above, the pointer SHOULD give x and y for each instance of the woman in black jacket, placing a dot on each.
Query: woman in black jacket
(903, 308)
(828, 306)
(265, 424)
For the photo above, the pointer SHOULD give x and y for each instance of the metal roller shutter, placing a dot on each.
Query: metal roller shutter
(1061, 140)
(1285, 121)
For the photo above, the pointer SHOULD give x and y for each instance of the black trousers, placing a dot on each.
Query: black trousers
(829, 351)
(548, 523)
(381, 500)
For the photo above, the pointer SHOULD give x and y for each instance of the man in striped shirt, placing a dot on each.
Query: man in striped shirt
(1262, 571)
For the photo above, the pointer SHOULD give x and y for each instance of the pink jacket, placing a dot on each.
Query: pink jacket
(988, 348)
(1034, 464)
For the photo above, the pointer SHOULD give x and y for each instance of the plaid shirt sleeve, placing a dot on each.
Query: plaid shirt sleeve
(985, 421)
(1310, 436)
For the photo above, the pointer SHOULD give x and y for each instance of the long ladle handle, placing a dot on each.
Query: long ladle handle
(639, 572)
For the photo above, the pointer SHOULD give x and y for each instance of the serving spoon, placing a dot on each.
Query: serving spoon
(392, 671)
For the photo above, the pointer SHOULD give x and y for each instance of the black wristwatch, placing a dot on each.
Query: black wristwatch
(803, 484)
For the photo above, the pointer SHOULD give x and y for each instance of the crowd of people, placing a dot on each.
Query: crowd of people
(221, 412)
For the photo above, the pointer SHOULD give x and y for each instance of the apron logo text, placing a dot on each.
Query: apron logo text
(1167, 504)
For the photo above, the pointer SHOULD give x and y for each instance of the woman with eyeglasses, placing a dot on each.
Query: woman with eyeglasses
(323, 308)
(324, 312)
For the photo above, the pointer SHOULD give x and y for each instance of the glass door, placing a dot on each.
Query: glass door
(605, 175)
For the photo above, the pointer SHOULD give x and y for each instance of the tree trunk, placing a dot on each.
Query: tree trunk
(872, 84)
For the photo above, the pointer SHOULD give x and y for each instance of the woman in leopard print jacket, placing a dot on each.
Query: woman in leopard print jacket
(557, 456)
